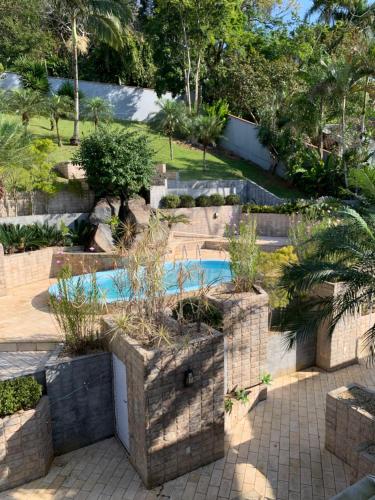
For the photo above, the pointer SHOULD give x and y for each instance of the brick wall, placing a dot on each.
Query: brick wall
(245, 327)
(25, 445)
(80, 393)
(173, 429)
(3, 286)
(349, 431)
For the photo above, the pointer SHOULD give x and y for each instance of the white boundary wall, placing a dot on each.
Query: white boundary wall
(129, 103)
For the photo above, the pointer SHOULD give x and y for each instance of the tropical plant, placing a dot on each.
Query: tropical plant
(24, 102)
(341, 253)
(171, 219)
(207, 129)
(363, 179)
(169, 119)
(97, 110)
(14, 144)
(16, 238)
(67, 89)
(102, 17)
(199, 310)
(33, 74)
(244, 254)
(116, 163)
(57, 107)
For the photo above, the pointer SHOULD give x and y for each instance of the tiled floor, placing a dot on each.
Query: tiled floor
(277, 451)
(20, 363)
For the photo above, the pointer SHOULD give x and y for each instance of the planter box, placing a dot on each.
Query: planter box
(240, 410)
(349, 429)
(173, 429)
(26, 445)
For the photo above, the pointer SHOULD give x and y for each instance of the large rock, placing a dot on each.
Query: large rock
(139, 213)
(102, 240)
(104, 209)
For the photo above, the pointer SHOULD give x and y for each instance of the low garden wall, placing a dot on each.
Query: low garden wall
(25, 445)
(173, 428)
(213, 221)
(350, 429)
(80, 393)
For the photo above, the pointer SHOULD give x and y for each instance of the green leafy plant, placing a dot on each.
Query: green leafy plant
(228, 405)
(233, 199)
(21, 393)
(170, 201)
(33, 74)
(203, 201)
(170, 119)
(242, 395)
(217, 200)
(186, 201)
(172, 219)
(244, 255)
(16, 238)
(66, 89)
(266, 379)
(97, 110)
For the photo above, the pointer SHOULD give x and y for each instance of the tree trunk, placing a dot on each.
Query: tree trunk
(321, 127)
(74, 140)
(58, 133)
(343, 143)
(170, 147)
(197, 79)
(364, 107)
(25, 120)
(187, 69)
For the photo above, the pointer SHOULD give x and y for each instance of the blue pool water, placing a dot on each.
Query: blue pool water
(115, 286)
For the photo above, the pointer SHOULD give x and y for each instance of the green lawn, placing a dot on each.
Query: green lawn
(187, 160)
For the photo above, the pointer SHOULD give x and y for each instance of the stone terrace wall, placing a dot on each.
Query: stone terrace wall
(80, 392)
(173, 429)
(25, 445)
(63, 201)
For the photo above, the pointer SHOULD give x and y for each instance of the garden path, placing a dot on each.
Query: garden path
(277, 451)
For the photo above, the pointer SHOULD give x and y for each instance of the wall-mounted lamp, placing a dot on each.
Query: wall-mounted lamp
(216, 215)
(188, 378)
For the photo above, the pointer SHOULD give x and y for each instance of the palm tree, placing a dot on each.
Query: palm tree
(172, 219)
(356, 12)
(102, 17)
(97, 109)
(207, 129)
(14, 144)
(24, 102)
(170, 118)
(57, 107)
(342, 253)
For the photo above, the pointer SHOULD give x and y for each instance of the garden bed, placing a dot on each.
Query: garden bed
(26, 445)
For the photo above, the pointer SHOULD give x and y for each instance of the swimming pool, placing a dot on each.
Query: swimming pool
(114, 285)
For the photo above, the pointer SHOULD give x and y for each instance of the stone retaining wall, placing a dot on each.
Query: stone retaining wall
(25, 445)
(349, 431)
(173, 429)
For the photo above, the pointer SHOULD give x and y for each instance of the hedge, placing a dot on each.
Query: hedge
(21, 393)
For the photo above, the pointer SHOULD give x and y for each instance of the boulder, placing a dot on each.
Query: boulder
(104, 209)
(102, 240)
(139, 214)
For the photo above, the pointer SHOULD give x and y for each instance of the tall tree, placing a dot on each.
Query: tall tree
(169, 119)
(57, 107)
(24, 102)
(97, 110)
(80, 18)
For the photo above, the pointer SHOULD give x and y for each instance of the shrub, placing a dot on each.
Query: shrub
(19, 394)
(244, 255)
(217, 200)
(203, 201)
(233, 199)
(198, 310)
(16, 238)
(187, 201)
(67, 89)
(170, 201)
(33, 74)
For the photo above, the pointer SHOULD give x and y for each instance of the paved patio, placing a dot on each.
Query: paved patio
(277, 451)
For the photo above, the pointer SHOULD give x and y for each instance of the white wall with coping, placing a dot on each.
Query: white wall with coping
(50, 219)
(129, 103)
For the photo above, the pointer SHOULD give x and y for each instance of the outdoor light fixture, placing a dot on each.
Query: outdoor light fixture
(188, 378)
(216, 215)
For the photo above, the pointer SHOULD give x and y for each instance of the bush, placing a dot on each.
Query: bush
(16, 238)
(67, 89)
(217, 200)
(198, 310)
(233, 199)
(187, 201)
(203, 201)
(170, 201)
(19, 394)
(33, 74)
(244, 255)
